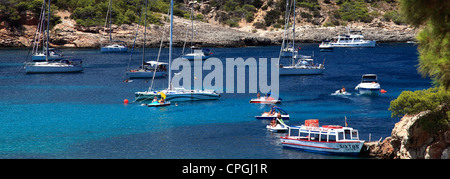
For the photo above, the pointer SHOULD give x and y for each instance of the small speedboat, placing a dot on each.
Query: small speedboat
(277, 125)
(368, 85)
(341, 93)
(157, 104)
(273, 113)
(266, 100)
(277, 128)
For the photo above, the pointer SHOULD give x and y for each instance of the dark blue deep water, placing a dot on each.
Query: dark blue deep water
(82, 115)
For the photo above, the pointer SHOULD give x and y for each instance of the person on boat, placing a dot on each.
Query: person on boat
(273, 123)
(342, 90)
(258, 95)
(162, 101)
(280, 120)
(155, 100)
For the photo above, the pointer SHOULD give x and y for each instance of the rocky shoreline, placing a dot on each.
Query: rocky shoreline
(68, 35)
(409, 141)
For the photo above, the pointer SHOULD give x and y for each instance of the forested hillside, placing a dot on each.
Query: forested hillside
(260, 14)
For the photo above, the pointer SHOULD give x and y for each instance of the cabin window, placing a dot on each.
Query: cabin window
(332, 137)
(323, 136)
(347, 134)
(355, 134)
(340, 136)
(303, 134)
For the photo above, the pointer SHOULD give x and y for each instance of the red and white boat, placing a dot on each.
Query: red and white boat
(331, 139)
(266, 100)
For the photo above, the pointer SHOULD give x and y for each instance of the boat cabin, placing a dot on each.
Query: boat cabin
(326, 133)
(369, 78)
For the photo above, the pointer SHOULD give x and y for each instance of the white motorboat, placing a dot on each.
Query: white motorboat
(273, 113)
(304, 66)
(326, 46)
(63, 66)
(368, 85)
(329, 139)
(150, 67)
(352, 39)
(115, 47)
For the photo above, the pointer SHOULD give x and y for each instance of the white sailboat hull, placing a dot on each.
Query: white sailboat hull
(52, 67)
(179, 95)
(41, 57)
(289, 70)
(146, 74)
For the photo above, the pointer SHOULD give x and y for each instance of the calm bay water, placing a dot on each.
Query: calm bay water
(81, 115)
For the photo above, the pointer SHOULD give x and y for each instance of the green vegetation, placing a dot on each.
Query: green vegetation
(355, 11)
(393, 16)
(434, 99)
(434, 61)
(13, 12)
(434, 38)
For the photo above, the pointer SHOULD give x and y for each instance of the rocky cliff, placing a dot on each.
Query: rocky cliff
(68, 34)
(410, 141)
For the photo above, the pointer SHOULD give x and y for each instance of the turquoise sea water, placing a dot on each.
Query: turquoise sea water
(82, 115)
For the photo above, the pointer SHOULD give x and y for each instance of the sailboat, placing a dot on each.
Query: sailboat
(305, 64)
(114, 45)
(197, 53)
(176, 94)
(148, 69)
(38, 55)
(62, 66)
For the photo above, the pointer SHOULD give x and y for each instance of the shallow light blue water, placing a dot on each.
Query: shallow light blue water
(82, 115)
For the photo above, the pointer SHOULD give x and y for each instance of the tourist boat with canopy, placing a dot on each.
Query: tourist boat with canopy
(369, 84)
(329, 139)
(273, 113)
(178, 93)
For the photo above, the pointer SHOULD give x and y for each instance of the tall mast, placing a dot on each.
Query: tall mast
(293, 32)
(110, 16)
(48, 29)
(170, 46)
(145, 33)
(192, 22)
